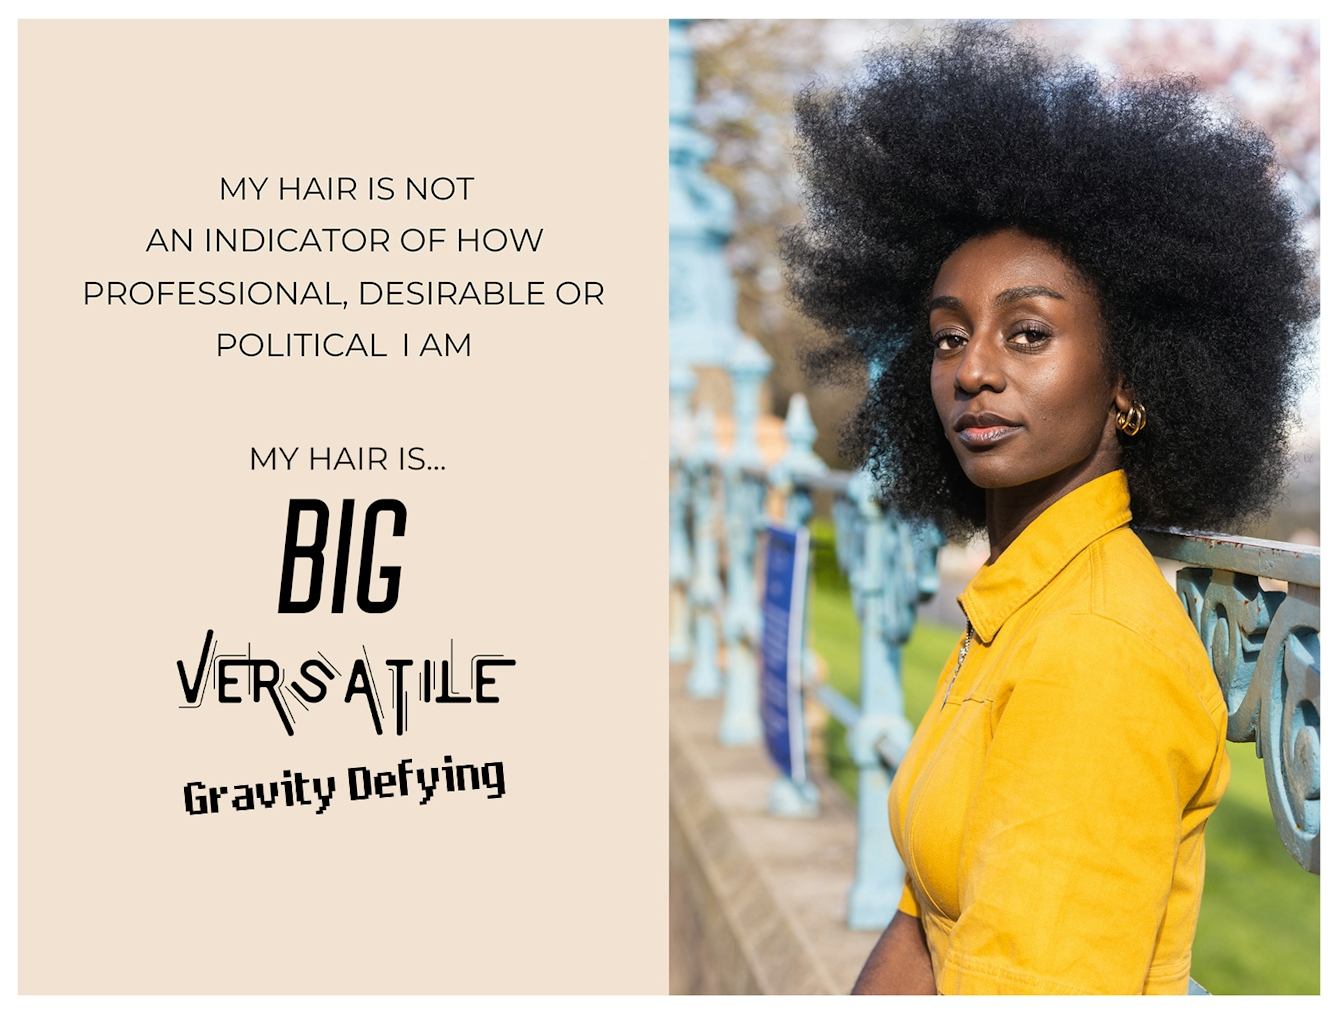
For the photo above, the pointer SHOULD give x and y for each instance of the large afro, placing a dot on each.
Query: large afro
(1172, 211)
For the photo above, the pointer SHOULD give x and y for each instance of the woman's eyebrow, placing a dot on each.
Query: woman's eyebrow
(945, 303)
(1024, 292)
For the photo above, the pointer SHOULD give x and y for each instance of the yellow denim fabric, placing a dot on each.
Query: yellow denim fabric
(1051, 812)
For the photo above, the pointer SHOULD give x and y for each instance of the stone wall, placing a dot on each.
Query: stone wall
(757, 904)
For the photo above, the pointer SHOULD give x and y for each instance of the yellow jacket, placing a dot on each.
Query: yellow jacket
(1051, 808)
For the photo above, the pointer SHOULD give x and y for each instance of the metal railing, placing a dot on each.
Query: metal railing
(1264, 648)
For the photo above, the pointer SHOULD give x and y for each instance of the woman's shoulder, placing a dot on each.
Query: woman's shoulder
(1115, 616)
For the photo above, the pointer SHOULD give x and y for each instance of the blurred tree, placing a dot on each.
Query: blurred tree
(747, 74)
(1267, 72)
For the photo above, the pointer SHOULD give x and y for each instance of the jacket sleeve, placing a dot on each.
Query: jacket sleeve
(908, 903)
(1099, 749)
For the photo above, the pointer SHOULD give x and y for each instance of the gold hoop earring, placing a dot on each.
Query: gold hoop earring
(1133, 421)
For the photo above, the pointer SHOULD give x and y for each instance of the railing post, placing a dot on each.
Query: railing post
(703, 296)
(799, 462)
(704, 594)
(878, 869)
(681, 382)
(892, 568)
(788, 798)
(741, 720)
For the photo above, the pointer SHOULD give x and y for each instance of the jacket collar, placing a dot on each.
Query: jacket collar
(1042, 550)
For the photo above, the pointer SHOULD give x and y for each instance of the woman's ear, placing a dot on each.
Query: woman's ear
(1124, 395)
(1130, 415)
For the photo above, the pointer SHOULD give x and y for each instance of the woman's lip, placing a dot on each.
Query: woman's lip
(986, 436)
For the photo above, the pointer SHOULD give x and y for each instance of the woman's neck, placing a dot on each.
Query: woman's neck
(1010, 510)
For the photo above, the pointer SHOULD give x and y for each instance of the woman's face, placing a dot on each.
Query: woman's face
(1019, 379)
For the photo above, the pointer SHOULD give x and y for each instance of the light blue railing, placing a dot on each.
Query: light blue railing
(1264, 647)
(1263, 642)
(719, 502)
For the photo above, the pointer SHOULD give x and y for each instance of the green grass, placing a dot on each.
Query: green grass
(1259, 925)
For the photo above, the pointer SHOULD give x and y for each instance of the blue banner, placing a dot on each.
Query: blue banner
(782, 646)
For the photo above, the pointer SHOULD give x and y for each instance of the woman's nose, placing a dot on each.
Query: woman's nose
(981, 367)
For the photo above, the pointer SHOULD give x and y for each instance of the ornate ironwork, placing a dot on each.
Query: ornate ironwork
(1264, 648)
(892, 567)
(704, 680)
(740, 719)
(681, 382)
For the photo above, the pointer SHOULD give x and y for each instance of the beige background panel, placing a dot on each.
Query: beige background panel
(539, 537)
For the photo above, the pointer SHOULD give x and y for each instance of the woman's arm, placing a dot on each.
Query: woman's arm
(1104, 762)
(899, 962)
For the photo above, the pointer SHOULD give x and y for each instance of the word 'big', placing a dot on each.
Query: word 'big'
(315, 552)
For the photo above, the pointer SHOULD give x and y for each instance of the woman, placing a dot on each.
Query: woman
(1080, 305)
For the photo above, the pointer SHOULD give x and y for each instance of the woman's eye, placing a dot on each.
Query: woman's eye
(946, 341)
(1029, 336)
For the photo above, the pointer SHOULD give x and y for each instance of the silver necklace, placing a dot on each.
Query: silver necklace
(961, 657)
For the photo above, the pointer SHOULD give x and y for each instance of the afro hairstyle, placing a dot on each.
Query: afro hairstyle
(1173, 212)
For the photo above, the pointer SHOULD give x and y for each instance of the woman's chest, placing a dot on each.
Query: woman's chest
(934, 793)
